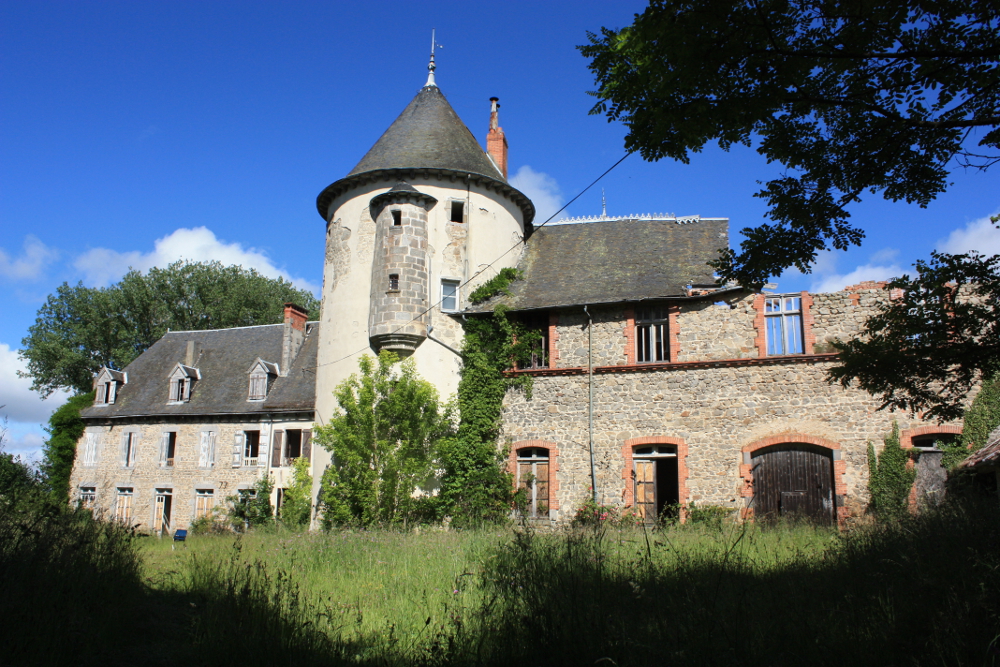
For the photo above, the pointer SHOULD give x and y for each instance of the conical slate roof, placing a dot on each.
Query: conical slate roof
(428, 138)
(428, 134)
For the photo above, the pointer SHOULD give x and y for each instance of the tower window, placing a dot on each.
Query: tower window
(458, 211)
(393, 282)
(397, 218)
(449, 295)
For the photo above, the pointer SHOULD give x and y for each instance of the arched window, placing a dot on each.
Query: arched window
(533, 480)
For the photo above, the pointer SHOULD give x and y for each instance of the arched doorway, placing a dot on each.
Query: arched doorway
(793, 480)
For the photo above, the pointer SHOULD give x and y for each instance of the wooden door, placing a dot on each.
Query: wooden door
(793, 480)
(645, 489)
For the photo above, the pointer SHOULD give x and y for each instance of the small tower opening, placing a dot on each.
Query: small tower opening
(393, 282)
(397, 218)
(458, 211)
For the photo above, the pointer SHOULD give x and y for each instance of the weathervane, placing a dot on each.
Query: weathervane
(604, 205)
(431, 66)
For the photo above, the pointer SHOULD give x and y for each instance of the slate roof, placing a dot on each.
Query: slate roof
(223, 357)
(989, 455)
(429, 138)
(613, 261)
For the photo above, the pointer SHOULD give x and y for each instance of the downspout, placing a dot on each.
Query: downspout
(590, 401)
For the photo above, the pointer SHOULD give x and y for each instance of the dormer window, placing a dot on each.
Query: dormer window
(182, 382)
(106, 386)
(262, 374)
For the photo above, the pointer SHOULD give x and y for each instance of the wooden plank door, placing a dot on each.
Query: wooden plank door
(645, 489)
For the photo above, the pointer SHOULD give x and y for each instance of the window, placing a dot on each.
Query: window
(533, 480)
(130, 442)
(181, 383)
(258, 385)
(106, 386)
(204, 500)
(251, 447)
(393, 282)
(88, 497)
(168, 448)
(783, 315)
(397, 218)
(458, 211)
(449, 295)
(90, 450)
(538, 323)
(290, 445)
(206, 449)
(123, 505)
(105, 393)
(651, 344)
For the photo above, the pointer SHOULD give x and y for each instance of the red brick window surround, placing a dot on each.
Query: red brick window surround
(839, 466)
(628, 450)
(553, 466)
(629, 334)
(760, 323)
(553, 340)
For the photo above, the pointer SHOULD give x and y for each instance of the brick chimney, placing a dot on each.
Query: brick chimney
(294, 335)
(496, 142)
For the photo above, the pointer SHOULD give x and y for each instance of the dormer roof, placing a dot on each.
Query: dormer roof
(427, 138)
(266, 366)
(182, 371)
(106, 374)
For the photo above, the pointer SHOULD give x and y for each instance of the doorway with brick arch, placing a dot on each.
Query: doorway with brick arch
(657, 485)
(793, 481)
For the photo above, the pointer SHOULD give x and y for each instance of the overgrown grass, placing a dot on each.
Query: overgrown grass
(919, 591)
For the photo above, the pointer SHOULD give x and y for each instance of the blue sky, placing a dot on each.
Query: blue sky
(134, 133)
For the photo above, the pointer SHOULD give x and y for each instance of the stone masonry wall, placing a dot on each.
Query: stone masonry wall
(609, 337)
(717, 330)
(183, 478)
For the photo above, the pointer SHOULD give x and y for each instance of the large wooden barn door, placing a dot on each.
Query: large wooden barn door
(793, 480)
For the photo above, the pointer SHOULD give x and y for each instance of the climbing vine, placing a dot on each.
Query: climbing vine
(476, 487)
(889, 478)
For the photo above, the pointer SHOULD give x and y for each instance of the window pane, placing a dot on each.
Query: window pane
(449, 295)
(793, 334)
(793, 303)
(775, 342)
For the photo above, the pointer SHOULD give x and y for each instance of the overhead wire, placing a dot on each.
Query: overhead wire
(480, 271)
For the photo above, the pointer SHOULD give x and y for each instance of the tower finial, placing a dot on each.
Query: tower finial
(431, 66)
(604, 205)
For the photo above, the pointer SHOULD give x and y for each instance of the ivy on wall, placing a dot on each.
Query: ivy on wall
(476, 487)
(889, 478)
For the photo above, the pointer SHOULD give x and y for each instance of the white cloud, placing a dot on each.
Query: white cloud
(30, 264)
(20, 404)
(872, 271)
(980, 235)
(24, 440)
(102, 266)
(542, 190)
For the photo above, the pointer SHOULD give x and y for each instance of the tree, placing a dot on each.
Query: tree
(296, 507)
(383, 443)
(80, 329)
(65, 429)
(252, 508)
(983, 416)
(850, 97)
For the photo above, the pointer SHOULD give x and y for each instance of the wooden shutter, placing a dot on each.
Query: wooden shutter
(542, 487)
(112, 390)
(203, 459)
(263, 437)
(238, 442)
(211, 448)
(279, 438)
(307, 444)
(645, 489)
(123, 453)
(164, 441)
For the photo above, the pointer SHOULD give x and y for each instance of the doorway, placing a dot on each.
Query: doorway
(657, 487)
(162, 502)
(793, 480)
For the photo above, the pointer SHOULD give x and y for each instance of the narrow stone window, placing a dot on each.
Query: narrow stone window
(204, 501)
(458, 211)
(251, 448)
(393, 282)
(123, 505)
(168, 447)
(130, 443)
(397, 218)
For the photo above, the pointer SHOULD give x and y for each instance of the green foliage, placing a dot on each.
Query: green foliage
(495, 286)
(594, 514)
(849, 98)
(889, 478)
(983, 415)
(475, 487)
(383, 443)
(16, 477)
(80, 329)
(296, 508)
(926, 350)
(252, 509)
(65, 429)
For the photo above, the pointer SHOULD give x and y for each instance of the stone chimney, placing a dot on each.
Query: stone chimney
(189, 354)
(496, 142)
(294, 335)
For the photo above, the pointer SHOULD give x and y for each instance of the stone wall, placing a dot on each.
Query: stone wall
(715, 411)
(183, 478)
(722, 329)
(609, 337)
(842, 315)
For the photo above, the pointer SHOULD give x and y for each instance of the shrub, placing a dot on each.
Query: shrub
(889, 478)
(296, 508)
(250, 509)
(983, 415)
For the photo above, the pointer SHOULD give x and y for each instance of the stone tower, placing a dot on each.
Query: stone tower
(425, 217)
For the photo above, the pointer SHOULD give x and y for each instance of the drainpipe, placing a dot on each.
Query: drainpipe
(590, 401)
